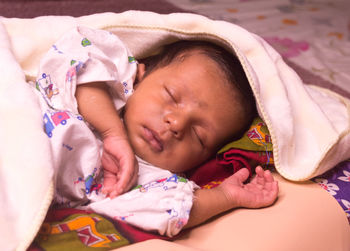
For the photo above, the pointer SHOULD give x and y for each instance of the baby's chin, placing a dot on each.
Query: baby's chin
(179, 167)
(171, 163)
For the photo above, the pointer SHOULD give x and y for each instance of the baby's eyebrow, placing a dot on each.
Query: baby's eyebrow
(194, 98)
(203, 104)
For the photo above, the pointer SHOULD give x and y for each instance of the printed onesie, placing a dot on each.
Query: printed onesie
(161, 200)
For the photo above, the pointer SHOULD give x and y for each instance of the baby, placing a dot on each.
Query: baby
(187, 102)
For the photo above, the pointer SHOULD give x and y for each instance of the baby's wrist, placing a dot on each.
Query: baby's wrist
(228, 201)
(223, 200)
(114, 132)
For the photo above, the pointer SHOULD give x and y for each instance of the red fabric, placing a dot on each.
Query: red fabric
(237, 159)
(227, 163)
(208, 172)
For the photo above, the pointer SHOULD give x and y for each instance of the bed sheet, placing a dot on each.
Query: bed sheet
(314, 34)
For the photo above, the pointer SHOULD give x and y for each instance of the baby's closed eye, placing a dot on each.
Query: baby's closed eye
(198, 136)
(171, 94)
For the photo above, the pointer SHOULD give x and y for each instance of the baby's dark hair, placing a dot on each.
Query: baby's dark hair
(227, 62)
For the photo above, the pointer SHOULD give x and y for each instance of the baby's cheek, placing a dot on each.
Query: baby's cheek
(195, 159)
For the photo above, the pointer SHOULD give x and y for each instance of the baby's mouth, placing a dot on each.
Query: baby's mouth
(153, 139)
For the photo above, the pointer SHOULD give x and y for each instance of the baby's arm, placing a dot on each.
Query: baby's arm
(262, 191)
(118, 160)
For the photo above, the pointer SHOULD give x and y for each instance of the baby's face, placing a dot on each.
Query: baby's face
(180, 114)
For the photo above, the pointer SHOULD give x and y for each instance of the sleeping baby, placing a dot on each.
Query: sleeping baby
(123, 132)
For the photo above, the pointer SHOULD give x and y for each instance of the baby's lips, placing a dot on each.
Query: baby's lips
(153, 139)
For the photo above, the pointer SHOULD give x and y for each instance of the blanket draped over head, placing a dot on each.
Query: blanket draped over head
(309, 126)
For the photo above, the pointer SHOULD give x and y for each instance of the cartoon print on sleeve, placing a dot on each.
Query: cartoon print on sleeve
(180, 217)
(90, 183)
(126, 90)
(85, 42)
(47, 88)
(68, 147)
(165, 183)
(53, 118)
(131, 59)
(55, 48)
(73, 70)
(123, 218)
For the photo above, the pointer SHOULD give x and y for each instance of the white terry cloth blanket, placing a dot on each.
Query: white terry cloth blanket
(309, 126)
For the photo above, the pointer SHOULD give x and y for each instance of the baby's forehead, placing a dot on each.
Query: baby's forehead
(192, 60)
(188, 52)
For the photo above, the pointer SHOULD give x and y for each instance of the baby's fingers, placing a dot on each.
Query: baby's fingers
(114, 193)
(262, 176)
(269, 194)
(259, 178)
(274, 191)
(127, 179)
(109, 179)
(127, 175)
(242, 175)
(109, 163)
(268, 176)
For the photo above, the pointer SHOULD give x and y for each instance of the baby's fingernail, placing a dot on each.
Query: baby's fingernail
(120, 190)
(112, 195)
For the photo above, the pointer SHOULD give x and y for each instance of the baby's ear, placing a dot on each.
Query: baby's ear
(141, 69)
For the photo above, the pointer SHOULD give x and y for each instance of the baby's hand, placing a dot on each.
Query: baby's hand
(119, 164)
(261, 191)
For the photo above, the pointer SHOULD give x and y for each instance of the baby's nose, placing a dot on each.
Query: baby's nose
(177, 123)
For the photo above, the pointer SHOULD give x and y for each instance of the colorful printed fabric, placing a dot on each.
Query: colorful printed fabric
(254, 148)
(72, 229)
(337, 183)
(257, 138)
